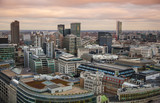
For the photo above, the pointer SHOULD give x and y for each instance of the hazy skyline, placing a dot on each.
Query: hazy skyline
(93, 14)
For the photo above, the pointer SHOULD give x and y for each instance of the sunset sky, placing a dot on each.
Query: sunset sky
(93, 14)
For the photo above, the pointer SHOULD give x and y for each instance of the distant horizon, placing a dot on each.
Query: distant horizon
(84, 30)
(92, 14)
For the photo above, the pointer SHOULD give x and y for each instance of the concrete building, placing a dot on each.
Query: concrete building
(106, 41)
(68, 64)
(72, 43)
(36, 39)
(15, 37)
(118, 29)
(106, 58)
(41, 64)
(7, 52)
(58, 40)
(144, 76)
(92, 81)
(50, 49)
(110, 69)
(67, 31)
(61, 29)
(8, 93)
(136, 93)
(143, 51)
(112, 83)
(43, 88)
(76, 29)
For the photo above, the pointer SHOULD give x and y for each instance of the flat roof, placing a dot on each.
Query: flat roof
(74, 90)
(36, 84)
(149, 72)
(136, 60)
(8, 72)
(40, 84)
(109, 66)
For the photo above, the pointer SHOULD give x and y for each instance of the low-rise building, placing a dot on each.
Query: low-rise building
(41, 64)
(43, 89)
(92, 81)
(111, 69)
(112, 83)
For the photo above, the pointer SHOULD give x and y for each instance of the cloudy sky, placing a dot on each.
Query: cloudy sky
(93, 14)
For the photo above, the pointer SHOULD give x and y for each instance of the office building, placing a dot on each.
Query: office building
(8, 93)
(68, 63)
(112, 83)
(36, 39)
(143, 51)
(61, 29)
(41, 64)
(15, 36)
(135, 93)
(76, 29)
(72, 43)
(7, 52)
(58, 40)
(3, 40)
(135, 63)
(106, 41)
(110, 69)
(105, 58)
(50, 49)
(39, 89)
(118, 29)
(103, 34)
(92, 81)
(67, 31)
(144, 76)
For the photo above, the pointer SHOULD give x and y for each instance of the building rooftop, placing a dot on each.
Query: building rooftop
(74, 90)
(148, 72)
(8, 72)
(40, 84)
(109, 66)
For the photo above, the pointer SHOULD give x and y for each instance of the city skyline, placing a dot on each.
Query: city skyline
(92, 14)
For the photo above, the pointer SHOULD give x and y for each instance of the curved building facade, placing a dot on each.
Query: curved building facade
(54, 93)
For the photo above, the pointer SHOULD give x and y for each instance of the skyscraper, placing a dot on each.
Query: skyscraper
(15, 38)
(118, 29)
(61, 29)
(76, 29)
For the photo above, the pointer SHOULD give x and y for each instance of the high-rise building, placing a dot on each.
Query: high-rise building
(50, 49)
(106, 41)
(15, 37)
(76, 29)
(102, 34)
(67, 31)
(61, 29)
(72, 43)
(118, 29)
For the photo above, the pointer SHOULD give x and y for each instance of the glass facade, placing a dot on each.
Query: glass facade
(139, 95)
(25, 95)
(7, 53)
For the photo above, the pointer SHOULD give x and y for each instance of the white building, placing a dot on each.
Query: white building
(31, 50)
(92, 49)
(144, 51)
(93, 81)
(106, 58)
(50, 49)
(68, 64)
